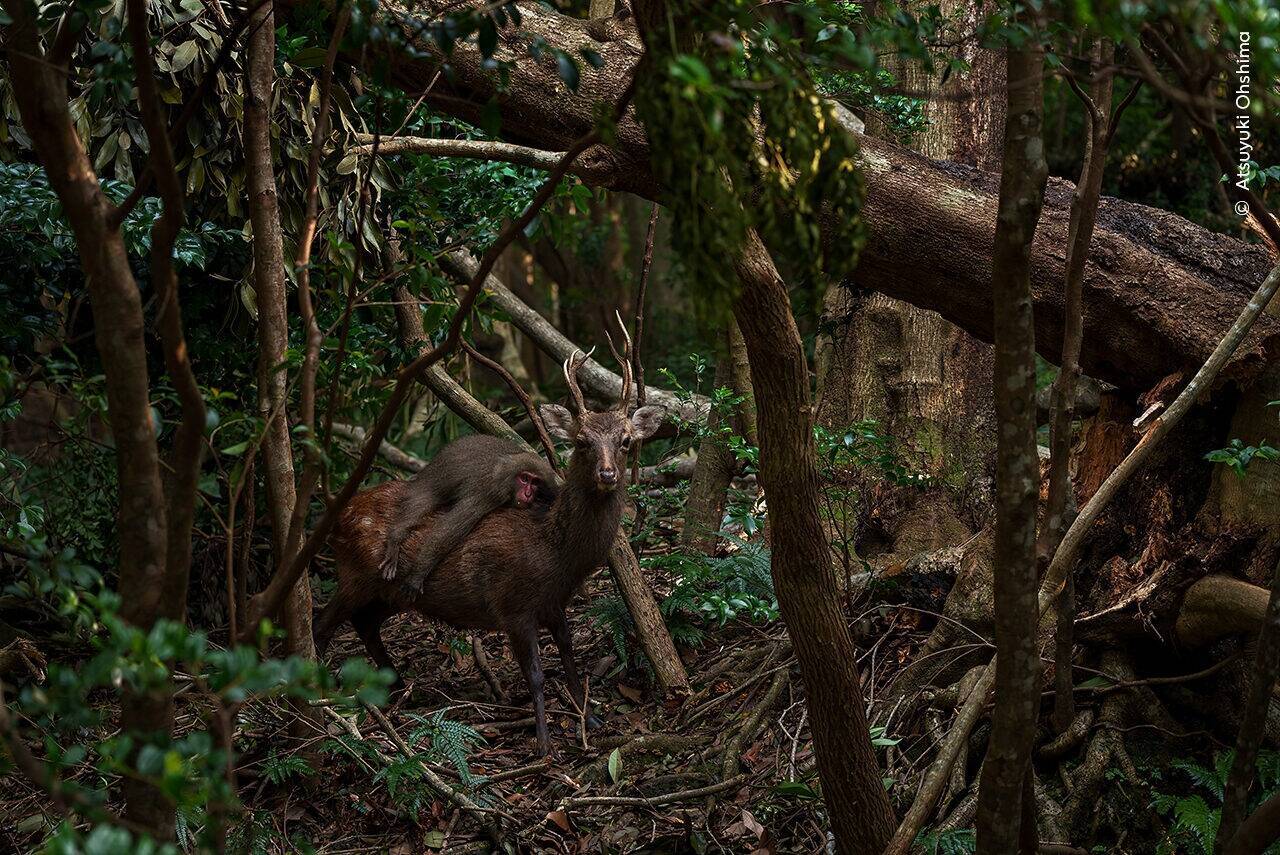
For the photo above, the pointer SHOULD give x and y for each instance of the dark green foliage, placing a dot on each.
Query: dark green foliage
(1195, 815)
(41, 260)
(1238, 456)
(279, 768)
(189, 768)
(961, 841)
(449, 741)
(742, 140)
(708, 592)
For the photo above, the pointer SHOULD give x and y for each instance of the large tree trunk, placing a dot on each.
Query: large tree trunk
(1161, 290)
(40, 88)
(861, 815)
(925, 380)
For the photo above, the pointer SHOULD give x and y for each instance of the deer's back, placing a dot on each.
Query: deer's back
(502, 575)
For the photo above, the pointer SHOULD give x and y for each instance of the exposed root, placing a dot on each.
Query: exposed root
(1219, 606)
(1105, 750)
(1069, 740)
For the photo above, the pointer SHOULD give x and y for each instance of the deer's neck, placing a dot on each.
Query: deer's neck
(583, 521)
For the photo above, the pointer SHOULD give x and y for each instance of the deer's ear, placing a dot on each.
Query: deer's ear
(559, 421)
(646, 421)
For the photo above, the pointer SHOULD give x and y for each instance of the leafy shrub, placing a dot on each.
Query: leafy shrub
(708, 591)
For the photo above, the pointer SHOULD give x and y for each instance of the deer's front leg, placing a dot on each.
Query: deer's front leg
(564, 642)
(524, 643)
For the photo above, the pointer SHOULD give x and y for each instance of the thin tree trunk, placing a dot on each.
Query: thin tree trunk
(1259, 831)
(861, 815)
(1017, 463)
(273, 322)
(740, 381)
(1084, 212)
(704, 509)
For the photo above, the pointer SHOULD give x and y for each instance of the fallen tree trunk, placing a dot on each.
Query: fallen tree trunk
(1160, 290)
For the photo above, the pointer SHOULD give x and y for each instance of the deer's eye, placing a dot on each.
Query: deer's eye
(625, 445)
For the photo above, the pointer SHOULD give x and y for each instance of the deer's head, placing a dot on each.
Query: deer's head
(602, 440)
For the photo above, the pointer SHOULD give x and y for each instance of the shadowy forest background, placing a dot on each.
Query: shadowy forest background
(962, 533)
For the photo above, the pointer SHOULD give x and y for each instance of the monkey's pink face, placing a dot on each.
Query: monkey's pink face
(527, 485)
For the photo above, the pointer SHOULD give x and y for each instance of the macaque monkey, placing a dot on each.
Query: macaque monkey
(470, 477)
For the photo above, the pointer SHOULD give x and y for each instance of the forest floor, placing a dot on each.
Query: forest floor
(730, 768)
(349, 787)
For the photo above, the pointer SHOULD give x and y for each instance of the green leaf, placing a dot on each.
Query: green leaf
(184, 56)
(312, 57)
(615, 765)
(347, 164)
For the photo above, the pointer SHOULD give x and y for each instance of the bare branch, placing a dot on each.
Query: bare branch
(548, 446)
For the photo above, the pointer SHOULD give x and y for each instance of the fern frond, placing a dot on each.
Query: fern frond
(1194, 815)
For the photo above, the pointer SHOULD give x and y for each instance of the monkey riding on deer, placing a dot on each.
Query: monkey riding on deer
(517, 567)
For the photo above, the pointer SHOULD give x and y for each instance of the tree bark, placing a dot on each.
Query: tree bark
(40, 89)
(1000, 809)
(861, 815)
(271, 298)
(1084, 211)
(704, 510)
(1160, 289)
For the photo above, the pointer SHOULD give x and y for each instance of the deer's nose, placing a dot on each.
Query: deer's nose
(608, 476)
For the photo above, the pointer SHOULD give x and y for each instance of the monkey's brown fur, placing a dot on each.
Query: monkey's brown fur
(471, 477)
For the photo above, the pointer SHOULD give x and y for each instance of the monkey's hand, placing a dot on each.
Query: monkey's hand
(389, 562)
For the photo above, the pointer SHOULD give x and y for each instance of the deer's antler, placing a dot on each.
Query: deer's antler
(624, 361)
(571, 366)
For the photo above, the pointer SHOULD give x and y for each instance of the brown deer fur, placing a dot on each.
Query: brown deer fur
(516, 571)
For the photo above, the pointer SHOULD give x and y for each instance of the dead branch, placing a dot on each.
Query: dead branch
(654, 801)
(548, 446)
(594, 377)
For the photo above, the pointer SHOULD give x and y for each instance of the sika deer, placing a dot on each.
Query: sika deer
(519, 567)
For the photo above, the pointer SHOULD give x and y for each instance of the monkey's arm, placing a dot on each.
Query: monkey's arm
(418, 505)
(445, 533)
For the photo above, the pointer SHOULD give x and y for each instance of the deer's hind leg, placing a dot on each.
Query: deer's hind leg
(368, 620)
(334, 613)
